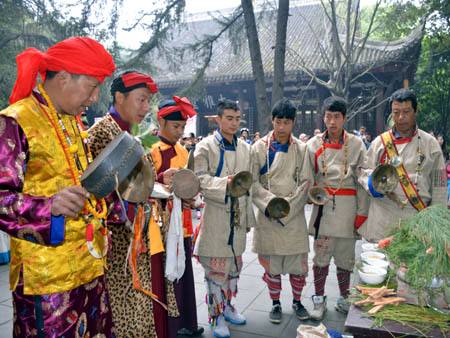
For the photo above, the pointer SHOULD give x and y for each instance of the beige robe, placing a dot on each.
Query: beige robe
(339, 222)
(214, 231)
(384, 214)
(290, 178)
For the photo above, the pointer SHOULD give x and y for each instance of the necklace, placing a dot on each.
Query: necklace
(419, 159)
(325, 168)
(70, 150)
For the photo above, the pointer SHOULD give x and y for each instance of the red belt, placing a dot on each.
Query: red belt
(341, 192)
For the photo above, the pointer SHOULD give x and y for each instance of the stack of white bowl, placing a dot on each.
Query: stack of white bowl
(374, 265)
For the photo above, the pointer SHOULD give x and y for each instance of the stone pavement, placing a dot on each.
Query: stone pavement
(252, 300)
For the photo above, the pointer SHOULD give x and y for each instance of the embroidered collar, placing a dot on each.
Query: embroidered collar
(326, 138)
(399, 139)
(120, 121)
(166, 141)
(224, 143)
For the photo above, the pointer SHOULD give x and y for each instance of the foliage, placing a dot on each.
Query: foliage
(421, 319)
(411, 245)
(393, 21)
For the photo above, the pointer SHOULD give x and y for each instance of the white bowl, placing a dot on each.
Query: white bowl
(369, 247)
(378, 263)
(371, 275)
(372, 255)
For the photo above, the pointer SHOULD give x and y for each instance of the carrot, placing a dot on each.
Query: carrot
(375, 309)
(383, 243)
(392, 300)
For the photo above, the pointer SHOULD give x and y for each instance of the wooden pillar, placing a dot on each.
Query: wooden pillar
(406, 83)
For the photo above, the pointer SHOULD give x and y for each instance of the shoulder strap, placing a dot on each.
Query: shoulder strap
(405, 182)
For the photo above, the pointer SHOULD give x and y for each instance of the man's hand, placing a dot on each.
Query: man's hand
(189, 204)
(229, 179)
(168, 175)
(69, 201)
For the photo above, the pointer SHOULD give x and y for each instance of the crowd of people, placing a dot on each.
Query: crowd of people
(83, 266)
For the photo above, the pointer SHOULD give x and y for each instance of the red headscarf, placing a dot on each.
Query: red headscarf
(182, 105)
(78, 55)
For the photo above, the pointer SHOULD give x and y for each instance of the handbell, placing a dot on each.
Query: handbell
(278, 208)
(385, 178)
(240, 184)
(318, 195)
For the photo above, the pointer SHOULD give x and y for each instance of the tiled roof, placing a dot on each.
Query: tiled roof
(301, 48)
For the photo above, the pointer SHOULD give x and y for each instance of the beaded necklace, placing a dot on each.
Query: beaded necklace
(325, 167)
(75, 166)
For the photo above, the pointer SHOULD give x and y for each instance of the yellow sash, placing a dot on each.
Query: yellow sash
(408, 187)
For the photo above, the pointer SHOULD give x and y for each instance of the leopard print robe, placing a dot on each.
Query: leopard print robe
(132, 310)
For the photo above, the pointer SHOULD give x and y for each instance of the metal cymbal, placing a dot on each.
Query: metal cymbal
(240, 184)
(185, 184)
(138, 185)
(278, 208)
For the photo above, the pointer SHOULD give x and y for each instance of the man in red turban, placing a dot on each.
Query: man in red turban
(56, 271)
(131, 93)
(168, 157)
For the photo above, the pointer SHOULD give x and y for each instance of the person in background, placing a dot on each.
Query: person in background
(256, 137)
(443, 145)
(244, 135)
(303, 137)
(317, 132)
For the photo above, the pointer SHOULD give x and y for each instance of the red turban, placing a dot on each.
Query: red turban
(78, 55)
(134, 78)
(182, 105)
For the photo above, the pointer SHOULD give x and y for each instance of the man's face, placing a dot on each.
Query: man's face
(172, 130)
(282, 127)
(78, 92)
(133, 106)
(404, 116)
(334, 121)
(229, 121)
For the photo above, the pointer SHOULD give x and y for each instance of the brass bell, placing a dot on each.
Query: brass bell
(318, 195)
(385, 178)
(278, 208)
(240, 184)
